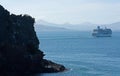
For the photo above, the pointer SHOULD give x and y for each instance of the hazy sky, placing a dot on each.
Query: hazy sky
(62, 11)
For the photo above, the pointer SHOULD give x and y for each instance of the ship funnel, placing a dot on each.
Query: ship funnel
(98, 27)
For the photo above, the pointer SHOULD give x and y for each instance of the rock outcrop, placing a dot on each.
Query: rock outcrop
(19, 47)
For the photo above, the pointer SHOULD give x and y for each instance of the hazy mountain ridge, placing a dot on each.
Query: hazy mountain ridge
(86, 26)
(40, 27)
(115, 26)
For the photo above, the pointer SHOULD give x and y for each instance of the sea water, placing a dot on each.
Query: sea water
(81, 53)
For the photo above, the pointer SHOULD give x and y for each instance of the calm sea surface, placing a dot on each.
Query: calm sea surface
(83, 54)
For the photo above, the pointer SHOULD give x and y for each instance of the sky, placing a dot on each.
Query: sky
(67, 11)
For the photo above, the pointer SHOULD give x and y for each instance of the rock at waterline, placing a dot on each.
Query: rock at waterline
(19, 46)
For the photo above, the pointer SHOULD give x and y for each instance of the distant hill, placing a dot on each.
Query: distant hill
(45, 26)
(115, 26)
(42, 22)
(48, 28)
(80, 27)
(86, 26)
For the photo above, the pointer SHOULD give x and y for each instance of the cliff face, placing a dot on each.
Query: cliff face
(19, 46)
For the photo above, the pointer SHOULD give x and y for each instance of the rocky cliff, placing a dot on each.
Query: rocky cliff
(19, 47)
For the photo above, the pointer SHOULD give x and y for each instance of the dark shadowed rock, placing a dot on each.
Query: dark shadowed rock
(19, 47)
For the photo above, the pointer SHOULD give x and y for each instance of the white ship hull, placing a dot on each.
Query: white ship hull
(102, 35)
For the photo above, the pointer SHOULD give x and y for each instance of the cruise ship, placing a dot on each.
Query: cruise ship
(99, 32)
